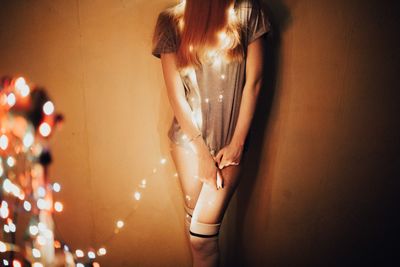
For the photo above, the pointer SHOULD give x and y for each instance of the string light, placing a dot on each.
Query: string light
(36, 253)
(56, 187)
(58, 206)
(3, 141)
(120, 224)
(137, 195)
(102, 251)
(3, 247)
(48, 108)
(79, 253)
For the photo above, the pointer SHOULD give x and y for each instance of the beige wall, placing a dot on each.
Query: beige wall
(320, 188)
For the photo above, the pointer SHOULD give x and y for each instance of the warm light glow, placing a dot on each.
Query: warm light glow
(37, 264)
(222, 76)
(3, 247)
(45, 129)
(28, 140)
(79, 253)
(19, 82)
(11, 99)
(58, 206)
(48, 108)
(10, 161)
(56, 187)
(41, 191)
(101, 252)
(6, 228)
(57, 244)
(36, 253)
(143, 183)
(137, 195)
(91, 255)
(80, 265)
(163, 161)
(4, 211)
(120, 224)
(3, 141)
(33, 229)
(16, 263)
(27, 206)
(95, 264)
(12, 227)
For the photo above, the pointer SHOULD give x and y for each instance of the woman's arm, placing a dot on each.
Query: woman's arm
(231, 154)
(182, 111)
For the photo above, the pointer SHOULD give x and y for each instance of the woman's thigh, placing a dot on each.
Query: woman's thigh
(186, 163)
(209, 204)
(212, 203)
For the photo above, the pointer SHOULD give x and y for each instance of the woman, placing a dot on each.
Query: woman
(211, 57)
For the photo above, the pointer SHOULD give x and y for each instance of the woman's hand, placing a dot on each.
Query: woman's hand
(207, 169)
(229, 155)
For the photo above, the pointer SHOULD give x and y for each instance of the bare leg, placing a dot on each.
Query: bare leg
(186, 165)
(209, 204)
(210, 208)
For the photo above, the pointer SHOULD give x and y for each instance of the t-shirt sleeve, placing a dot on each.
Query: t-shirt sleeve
(258, 24)
(164, 38)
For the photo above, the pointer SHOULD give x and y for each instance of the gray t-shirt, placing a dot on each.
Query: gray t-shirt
(214, 91)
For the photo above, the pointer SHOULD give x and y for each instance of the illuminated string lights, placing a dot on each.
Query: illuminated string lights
(27, 119)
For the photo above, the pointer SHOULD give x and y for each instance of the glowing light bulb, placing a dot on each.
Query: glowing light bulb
(91, 255)
(41, 191)
(28, 139)
(12, 227)
(36, 253)
(21, 86)
(45, 129)
(5, 262)
(222, 76)
(101, 252)
(191, 48)
(137, 195)
(79, 253)
(120, 224)
(48, 108)
(3, 247)
(3, 141)
(37, 264)
(58, 206)
(10, 161)
(33, 230)
(27, 205)
(95, 264)
(11, 99)
(57, 244)
(80, 265)
(6, 228)
(143, 183)
(4, 211)
(220, 98)
(163, 161)
(56, 187)
(16, 263)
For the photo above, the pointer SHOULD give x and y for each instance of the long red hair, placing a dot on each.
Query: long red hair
(207, 26)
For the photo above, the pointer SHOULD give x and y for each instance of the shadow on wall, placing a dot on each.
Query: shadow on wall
(280, 19)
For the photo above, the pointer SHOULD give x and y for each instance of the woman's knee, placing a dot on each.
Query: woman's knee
(204, 246)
